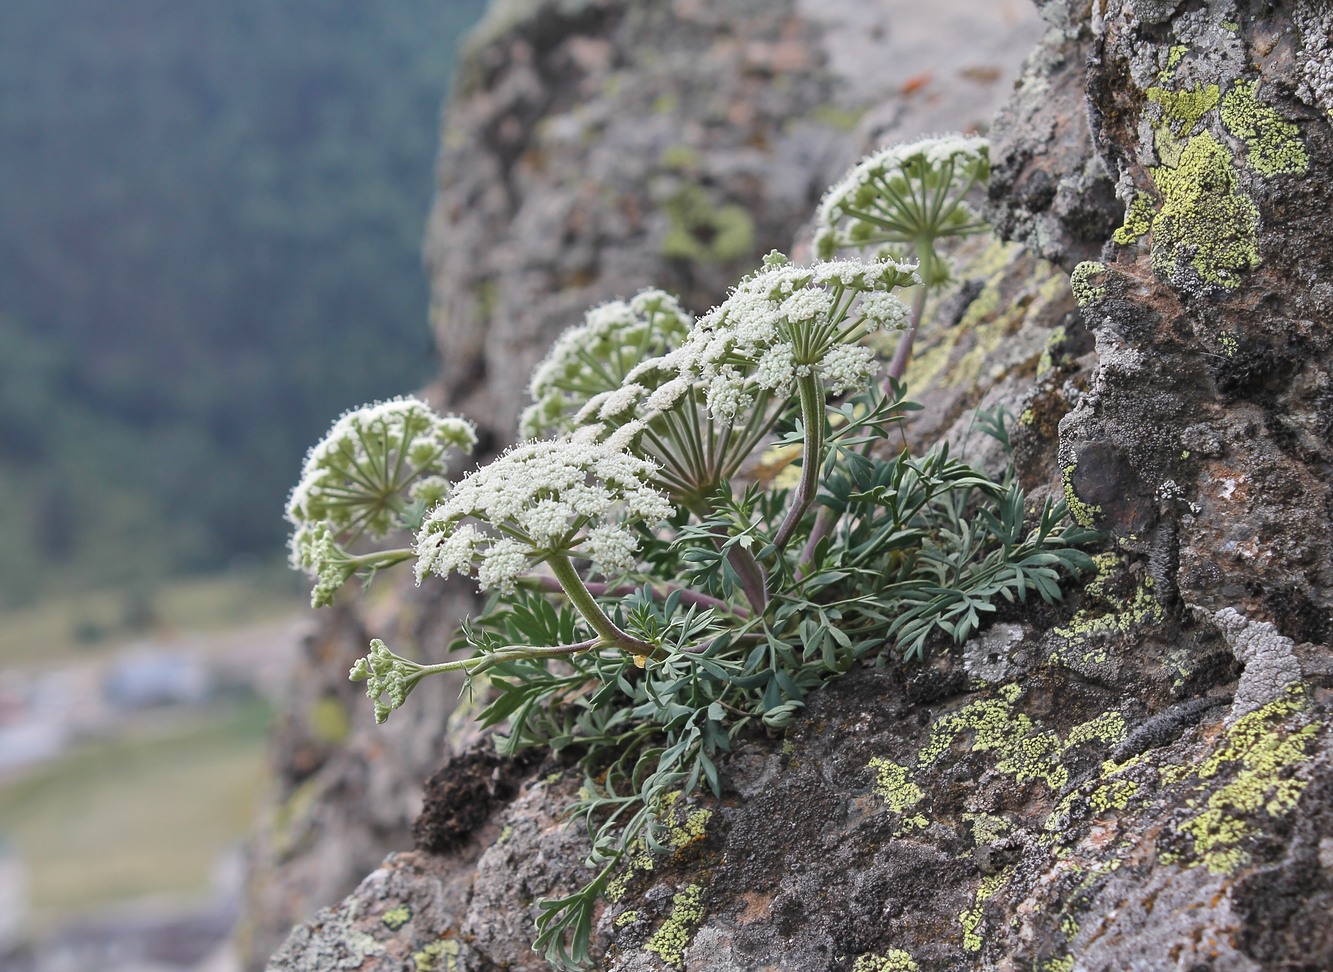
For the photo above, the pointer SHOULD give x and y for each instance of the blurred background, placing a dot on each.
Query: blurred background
(210, 227)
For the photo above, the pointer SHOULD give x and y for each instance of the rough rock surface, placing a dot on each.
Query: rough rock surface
(1136, 779)
(592, 148)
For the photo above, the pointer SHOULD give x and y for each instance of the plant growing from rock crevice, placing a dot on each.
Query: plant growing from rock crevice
(655, 594)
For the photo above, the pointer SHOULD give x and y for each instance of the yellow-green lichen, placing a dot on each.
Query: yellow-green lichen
(1084, 514)
(701, 230)
(1114, 795)
(987, 828)
(1206, 222)
(953, 356)
(893, 785)
(1080, 282)
(1064, 964)
(1262, 753)
(1173, 59)
(1141, 609)
(1229, 344)
(328, 721)
(441, 956)
(669, 941)
(971, 918)
(396, 918)
(894, 960)
(680, 156)
(843, 119)
(1046, 363)
(1138, 219)
(666, 103)
(626, 918)
(1273, 144)
(1024, 749)
(1180, 113)
(682, 828)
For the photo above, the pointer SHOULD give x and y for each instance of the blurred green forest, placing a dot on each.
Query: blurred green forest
(210, 225)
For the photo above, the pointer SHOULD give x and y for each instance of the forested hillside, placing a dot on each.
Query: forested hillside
(209, 246)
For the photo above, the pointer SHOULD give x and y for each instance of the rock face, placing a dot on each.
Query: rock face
(1136, 779)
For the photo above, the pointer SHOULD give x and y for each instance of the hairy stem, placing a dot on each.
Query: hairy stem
(825, 521)
(380, 559)
(903, 353)
(753, 582)
(479, 664)
(812, 452)
(577, 592)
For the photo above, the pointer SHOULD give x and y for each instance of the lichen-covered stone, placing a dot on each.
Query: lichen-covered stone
(1141, 777)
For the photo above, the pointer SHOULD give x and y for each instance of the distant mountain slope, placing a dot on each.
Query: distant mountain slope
(210, 246)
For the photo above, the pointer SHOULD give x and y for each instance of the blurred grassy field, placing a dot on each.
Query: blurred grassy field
(66, 628)
(146, 813)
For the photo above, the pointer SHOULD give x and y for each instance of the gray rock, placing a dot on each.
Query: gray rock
(1089, 806)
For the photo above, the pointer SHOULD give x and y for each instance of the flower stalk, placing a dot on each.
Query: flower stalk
(608, 631)
(812, 454)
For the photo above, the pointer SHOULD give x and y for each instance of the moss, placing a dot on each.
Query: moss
(396, 918)
(1206, 221)
(669, 941)
(1261, 752)
(441, 956)
(1273, 144)
(1080, 282)
(971, 918)
(1138, 219)
(702, 231)
(327, 721)
(1181, 112)
(894, 960)
(892, 784)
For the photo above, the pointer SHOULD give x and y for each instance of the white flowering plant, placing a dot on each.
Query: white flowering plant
(901, 201)
(658, 584)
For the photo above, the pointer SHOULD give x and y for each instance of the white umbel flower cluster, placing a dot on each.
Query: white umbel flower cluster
(358, 478)
(787, 322)
(571, 495)
(594, 357)
(904, 195)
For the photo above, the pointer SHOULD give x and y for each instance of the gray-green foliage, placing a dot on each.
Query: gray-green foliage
(651, 606)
